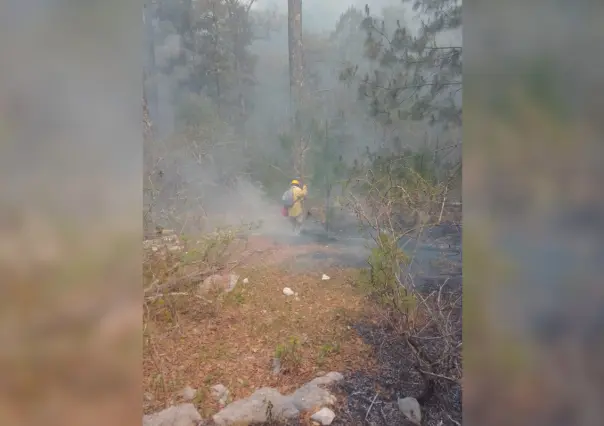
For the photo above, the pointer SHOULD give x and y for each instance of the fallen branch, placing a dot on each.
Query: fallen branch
(371, 406)
(440, 376)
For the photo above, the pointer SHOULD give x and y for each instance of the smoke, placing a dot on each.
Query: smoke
(221, 172)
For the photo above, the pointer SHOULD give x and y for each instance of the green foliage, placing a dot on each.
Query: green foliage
(413, 78)
(381, 280)
(327, 350)
(194, 110)
(325, 161)
(289, 354)
(409, 182)
(214, 58)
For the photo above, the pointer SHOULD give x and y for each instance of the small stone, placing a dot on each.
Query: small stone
(288, 291)
(324, 416)
(188, 393)
(325, 277)
(411, 409)
(149, 396)
(246, 281)
(154, 248)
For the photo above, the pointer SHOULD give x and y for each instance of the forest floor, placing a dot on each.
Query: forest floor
(198, 340)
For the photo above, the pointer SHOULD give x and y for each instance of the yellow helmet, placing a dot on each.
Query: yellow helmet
(295, 182)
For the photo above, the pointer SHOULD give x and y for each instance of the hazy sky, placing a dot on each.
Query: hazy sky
(321, 15)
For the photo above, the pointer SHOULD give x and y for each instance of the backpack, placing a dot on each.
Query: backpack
(288, 198)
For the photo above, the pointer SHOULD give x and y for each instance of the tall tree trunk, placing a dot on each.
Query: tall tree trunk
(296, 79)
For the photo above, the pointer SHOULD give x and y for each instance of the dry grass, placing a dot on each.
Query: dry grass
(232, 338)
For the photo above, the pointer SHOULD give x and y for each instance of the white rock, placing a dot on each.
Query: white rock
(288, 291)
(178, 415)
(246, 281)
(411, 409)
(325, 277)
(188, 393)
(220, 394)
(324, 416)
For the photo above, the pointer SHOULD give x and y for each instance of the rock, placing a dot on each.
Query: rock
(254, 409)
(325, 277)
(327, 379)
(226, 283)
(233, 279)
(324, 416)
(148, 396)
(288, 291)
(178, 415)
(221, 394)
(188, 393)
(246, 281)
(276, 366)
(411, 409)
(311, 396)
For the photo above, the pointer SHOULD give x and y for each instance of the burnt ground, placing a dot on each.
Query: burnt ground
(371, 399)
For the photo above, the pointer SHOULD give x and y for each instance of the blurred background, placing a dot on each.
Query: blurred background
(70, 201)
(533, 311)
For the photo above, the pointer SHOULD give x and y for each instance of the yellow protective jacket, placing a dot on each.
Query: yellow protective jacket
(299, 193)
